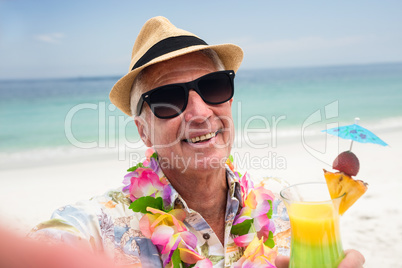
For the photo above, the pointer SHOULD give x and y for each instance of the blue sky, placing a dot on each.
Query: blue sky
(50, 39)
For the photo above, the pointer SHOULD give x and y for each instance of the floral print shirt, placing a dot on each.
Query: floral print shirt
(107, 225)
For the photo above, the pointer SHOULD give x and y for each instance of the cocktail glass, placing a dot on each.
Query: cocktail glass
(314, 222)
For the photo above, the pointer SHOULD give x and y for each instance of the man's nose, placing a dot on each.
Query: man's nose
(197, 110)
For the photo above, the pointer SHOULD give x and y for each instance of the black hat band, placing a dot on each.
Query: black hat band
(168, 45)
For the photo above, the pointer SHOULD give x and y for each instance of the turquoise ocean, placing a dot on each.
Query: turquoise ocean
(49, 116)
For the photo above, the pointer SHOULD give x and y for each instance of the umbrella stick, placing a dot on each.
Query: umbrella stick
(357, 119)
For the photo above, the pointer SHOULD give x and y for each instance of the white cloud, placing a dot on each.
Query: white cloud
(50, 38)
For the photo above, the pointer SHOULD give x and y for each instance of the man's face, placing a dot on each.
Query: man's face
(170, 137)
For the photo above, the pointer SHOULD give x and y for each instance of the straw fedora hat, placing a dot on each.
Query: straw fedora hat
(159, 40)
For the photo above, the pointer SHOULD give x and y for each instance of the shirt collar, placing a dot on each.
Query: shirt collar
(232, 180)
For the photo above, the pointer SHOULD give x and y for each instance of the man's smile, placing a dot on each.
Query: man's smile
(204, 137)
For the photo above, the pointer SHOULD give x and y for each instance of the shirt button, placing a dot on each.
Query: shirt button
(206, 236)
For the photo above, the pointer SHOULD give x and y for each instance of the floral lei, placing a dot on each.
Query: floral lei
(150, 194)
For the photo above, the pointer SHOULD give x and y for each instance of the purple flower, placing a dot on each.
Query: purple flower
(127, 179)
(153, 164)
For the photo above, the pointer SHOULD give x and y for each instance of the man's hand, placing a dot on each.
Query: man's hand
(17, 251)
(282, 261)
(353, 259)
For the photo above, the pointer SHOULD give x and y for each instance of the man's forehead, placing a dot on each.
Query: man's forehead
(178, 70)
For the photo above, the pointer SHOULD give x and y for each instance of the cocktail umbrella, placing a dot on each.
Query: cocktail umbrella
(355, 133)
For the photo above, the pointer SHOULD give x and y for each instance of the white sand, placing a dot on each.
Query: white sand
(373, 225)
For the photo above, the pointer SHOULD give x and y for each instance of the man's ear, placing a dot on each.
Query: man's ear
(143, 130)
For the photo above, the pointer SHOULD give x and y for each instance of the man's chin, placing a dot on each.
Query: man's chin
(197, 162)
(205, 162)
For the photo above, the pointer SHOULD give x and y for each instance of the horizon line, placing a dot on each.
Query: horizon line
(106, 77)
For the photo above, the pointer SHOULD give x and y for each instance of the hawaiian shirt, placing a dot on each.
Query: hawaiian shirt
(107, 225)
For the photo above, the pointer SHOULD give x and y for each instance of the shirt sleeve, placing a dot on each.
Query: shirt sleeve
(103, 224)
(76, 225)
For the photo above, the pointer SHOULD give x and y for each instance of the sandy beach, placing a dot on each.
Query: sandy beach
(29, 194)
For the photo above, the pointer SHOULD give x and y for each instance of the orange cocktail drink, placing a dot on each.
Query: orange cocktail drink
(314, 221)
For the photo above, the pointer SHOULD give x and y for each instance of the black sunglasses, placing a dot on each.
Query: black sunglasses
(171, 100)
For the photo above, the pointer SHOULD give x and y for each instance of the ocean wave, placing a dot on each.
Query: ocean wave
(299, 132)
(66, 154)
(124, 152)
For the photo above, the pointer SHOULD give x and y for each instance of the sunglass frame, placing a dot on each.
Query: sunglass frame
(192, 85)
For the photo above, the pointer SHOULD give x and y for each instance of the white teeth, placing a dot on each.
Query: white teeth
(203, 137)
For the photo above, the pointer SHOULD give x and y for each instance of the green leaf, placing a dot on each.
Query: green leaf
(154, 155)
(215, 259)
(176, 258)
(139, 165)
(231, 158)
(269, 214)
(242, 228)
(205, 249)
(205, 252)
(141, 204)
(270, 241)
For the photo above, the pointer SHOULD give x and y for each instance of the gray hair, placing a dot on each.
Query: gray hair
(138, 85)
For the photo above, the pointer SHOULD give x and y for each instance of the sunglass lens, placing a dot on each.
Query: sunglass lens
(168, 101)
(216, 88)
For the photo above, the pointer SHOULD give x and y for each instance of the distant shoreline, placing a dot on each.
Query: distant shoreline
(117, 76)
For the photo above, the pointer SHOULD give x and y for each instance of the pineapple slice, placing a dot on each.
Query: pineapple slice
(339, 183)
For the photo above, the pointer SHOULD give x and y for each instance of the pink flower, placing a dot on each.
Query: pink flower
(244, 240)
(145, 182)
(257, 196)
(245, 185)
(256, 207)
(173, 219)
(168, 232)
(148, 153)
(185, 242)
(204, 263)
(257, 255)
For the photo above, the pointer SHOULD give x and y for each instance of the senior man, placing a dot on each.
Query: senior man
(180, 91)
